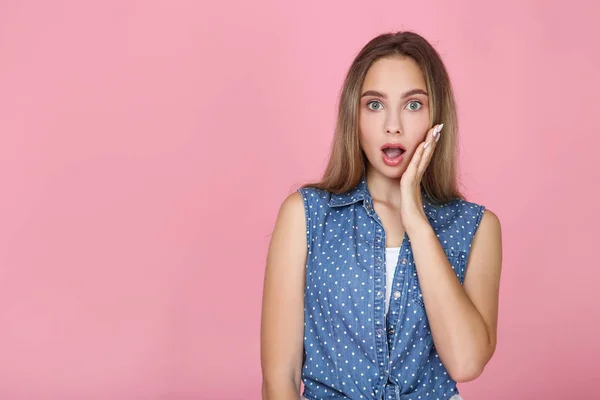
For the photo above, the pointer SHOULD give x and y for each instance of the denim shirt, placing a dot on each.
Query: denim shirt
(352, 349)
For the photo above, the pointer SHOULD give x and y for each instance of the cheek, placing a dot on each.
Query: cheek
(421, 132)
(365, 141)
(365, 130)
(417, 141)
(369, 119)
(363, 124)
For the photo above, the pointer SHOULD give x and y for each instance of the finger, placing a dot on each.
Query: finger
(415, 160)
(432, 140)
(417, 156)
(438, 133)
(422, 154)
(431, 136)
(423, 149)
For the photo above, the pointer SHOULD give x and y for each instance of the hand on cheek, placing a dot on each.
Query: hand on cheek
(412, 205)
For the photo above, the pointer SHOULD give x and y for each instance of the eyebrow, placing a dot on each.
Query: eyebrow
(384, 96)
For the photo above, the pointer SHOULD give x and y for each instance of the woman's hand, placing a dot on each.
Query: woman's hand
(411, 206)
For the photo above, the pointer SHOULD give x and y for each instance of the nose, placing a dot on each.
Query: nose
(392, 124)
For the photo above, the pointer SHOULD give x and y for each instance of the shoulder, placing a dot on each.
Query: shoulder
(314, 194)
(490, 218)
(487, 238)
(315, 200)
(302, 204)
(461, 210)
(483, 215)
(463, 205)
(489, 225)
(472, 220)
(292, 208)
(288, 234)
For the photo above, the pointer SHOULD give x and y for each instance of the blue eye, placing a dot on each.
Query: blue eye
(414, 102)
(374, 102)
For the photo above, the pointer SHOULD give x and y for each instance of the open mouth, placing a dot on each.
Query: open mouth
(393, 152)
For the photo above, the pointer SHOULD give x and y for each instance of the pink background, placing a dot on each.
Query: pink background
(145, 147)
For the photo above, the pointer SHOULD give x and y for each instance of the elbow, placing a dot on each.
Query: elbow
(467, 369)
(469, 365)
(466, 373)
(278, 387)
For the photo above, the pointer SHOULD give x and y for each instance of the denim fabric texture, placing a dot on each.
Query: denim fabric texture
(352, 350)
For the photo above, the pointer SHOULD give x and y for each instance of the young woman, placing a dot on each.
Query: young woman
(382, 281)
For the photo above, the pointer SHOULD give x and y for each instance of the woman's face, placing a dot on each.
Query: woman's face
(393, 109)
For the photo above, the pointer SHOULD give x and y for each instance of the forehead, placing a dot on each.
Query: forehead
(394, 74)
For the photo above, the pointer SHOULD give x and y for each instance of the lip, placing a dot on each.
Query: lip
(393, 146)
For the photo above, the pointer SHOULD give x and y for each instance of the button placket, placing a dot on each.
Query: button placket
(398, 299)
(379, 271)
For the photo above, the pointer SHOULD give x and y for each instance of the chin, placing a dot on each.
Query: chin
(396, 173)
(390, 172)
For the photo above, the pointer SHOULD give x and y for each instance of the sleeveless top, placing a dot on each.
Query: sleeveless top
(352, 348)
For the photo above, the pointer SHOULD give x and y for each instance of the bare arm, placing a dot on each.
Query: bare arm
(282, 320)
(463, 319)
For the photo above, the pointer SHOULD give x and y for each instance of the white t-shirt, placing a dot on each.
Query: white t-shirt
(391, 260)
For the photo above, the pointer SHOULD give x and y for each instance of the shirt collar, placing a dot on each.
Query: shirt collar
(360, 192)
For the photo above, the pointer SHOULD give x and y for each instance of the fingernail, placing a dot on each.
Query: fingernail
(426, 144)
(438, 138)
(439, 128)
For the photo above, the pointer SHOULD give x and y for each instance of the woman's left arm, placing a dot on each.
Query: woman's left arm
(463, 318)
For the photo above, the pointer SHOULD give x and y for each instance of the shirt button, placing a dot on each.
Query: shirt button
(379, 295)
(391, 331)
(379, 332)
(404, 261)
(396, 295)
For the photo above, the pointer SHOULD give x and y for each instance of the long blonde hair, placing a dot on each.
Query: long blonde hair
(347, 161)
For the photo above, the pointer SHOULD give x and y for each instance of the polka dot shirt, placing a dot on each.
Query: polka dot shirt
(353, 349)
